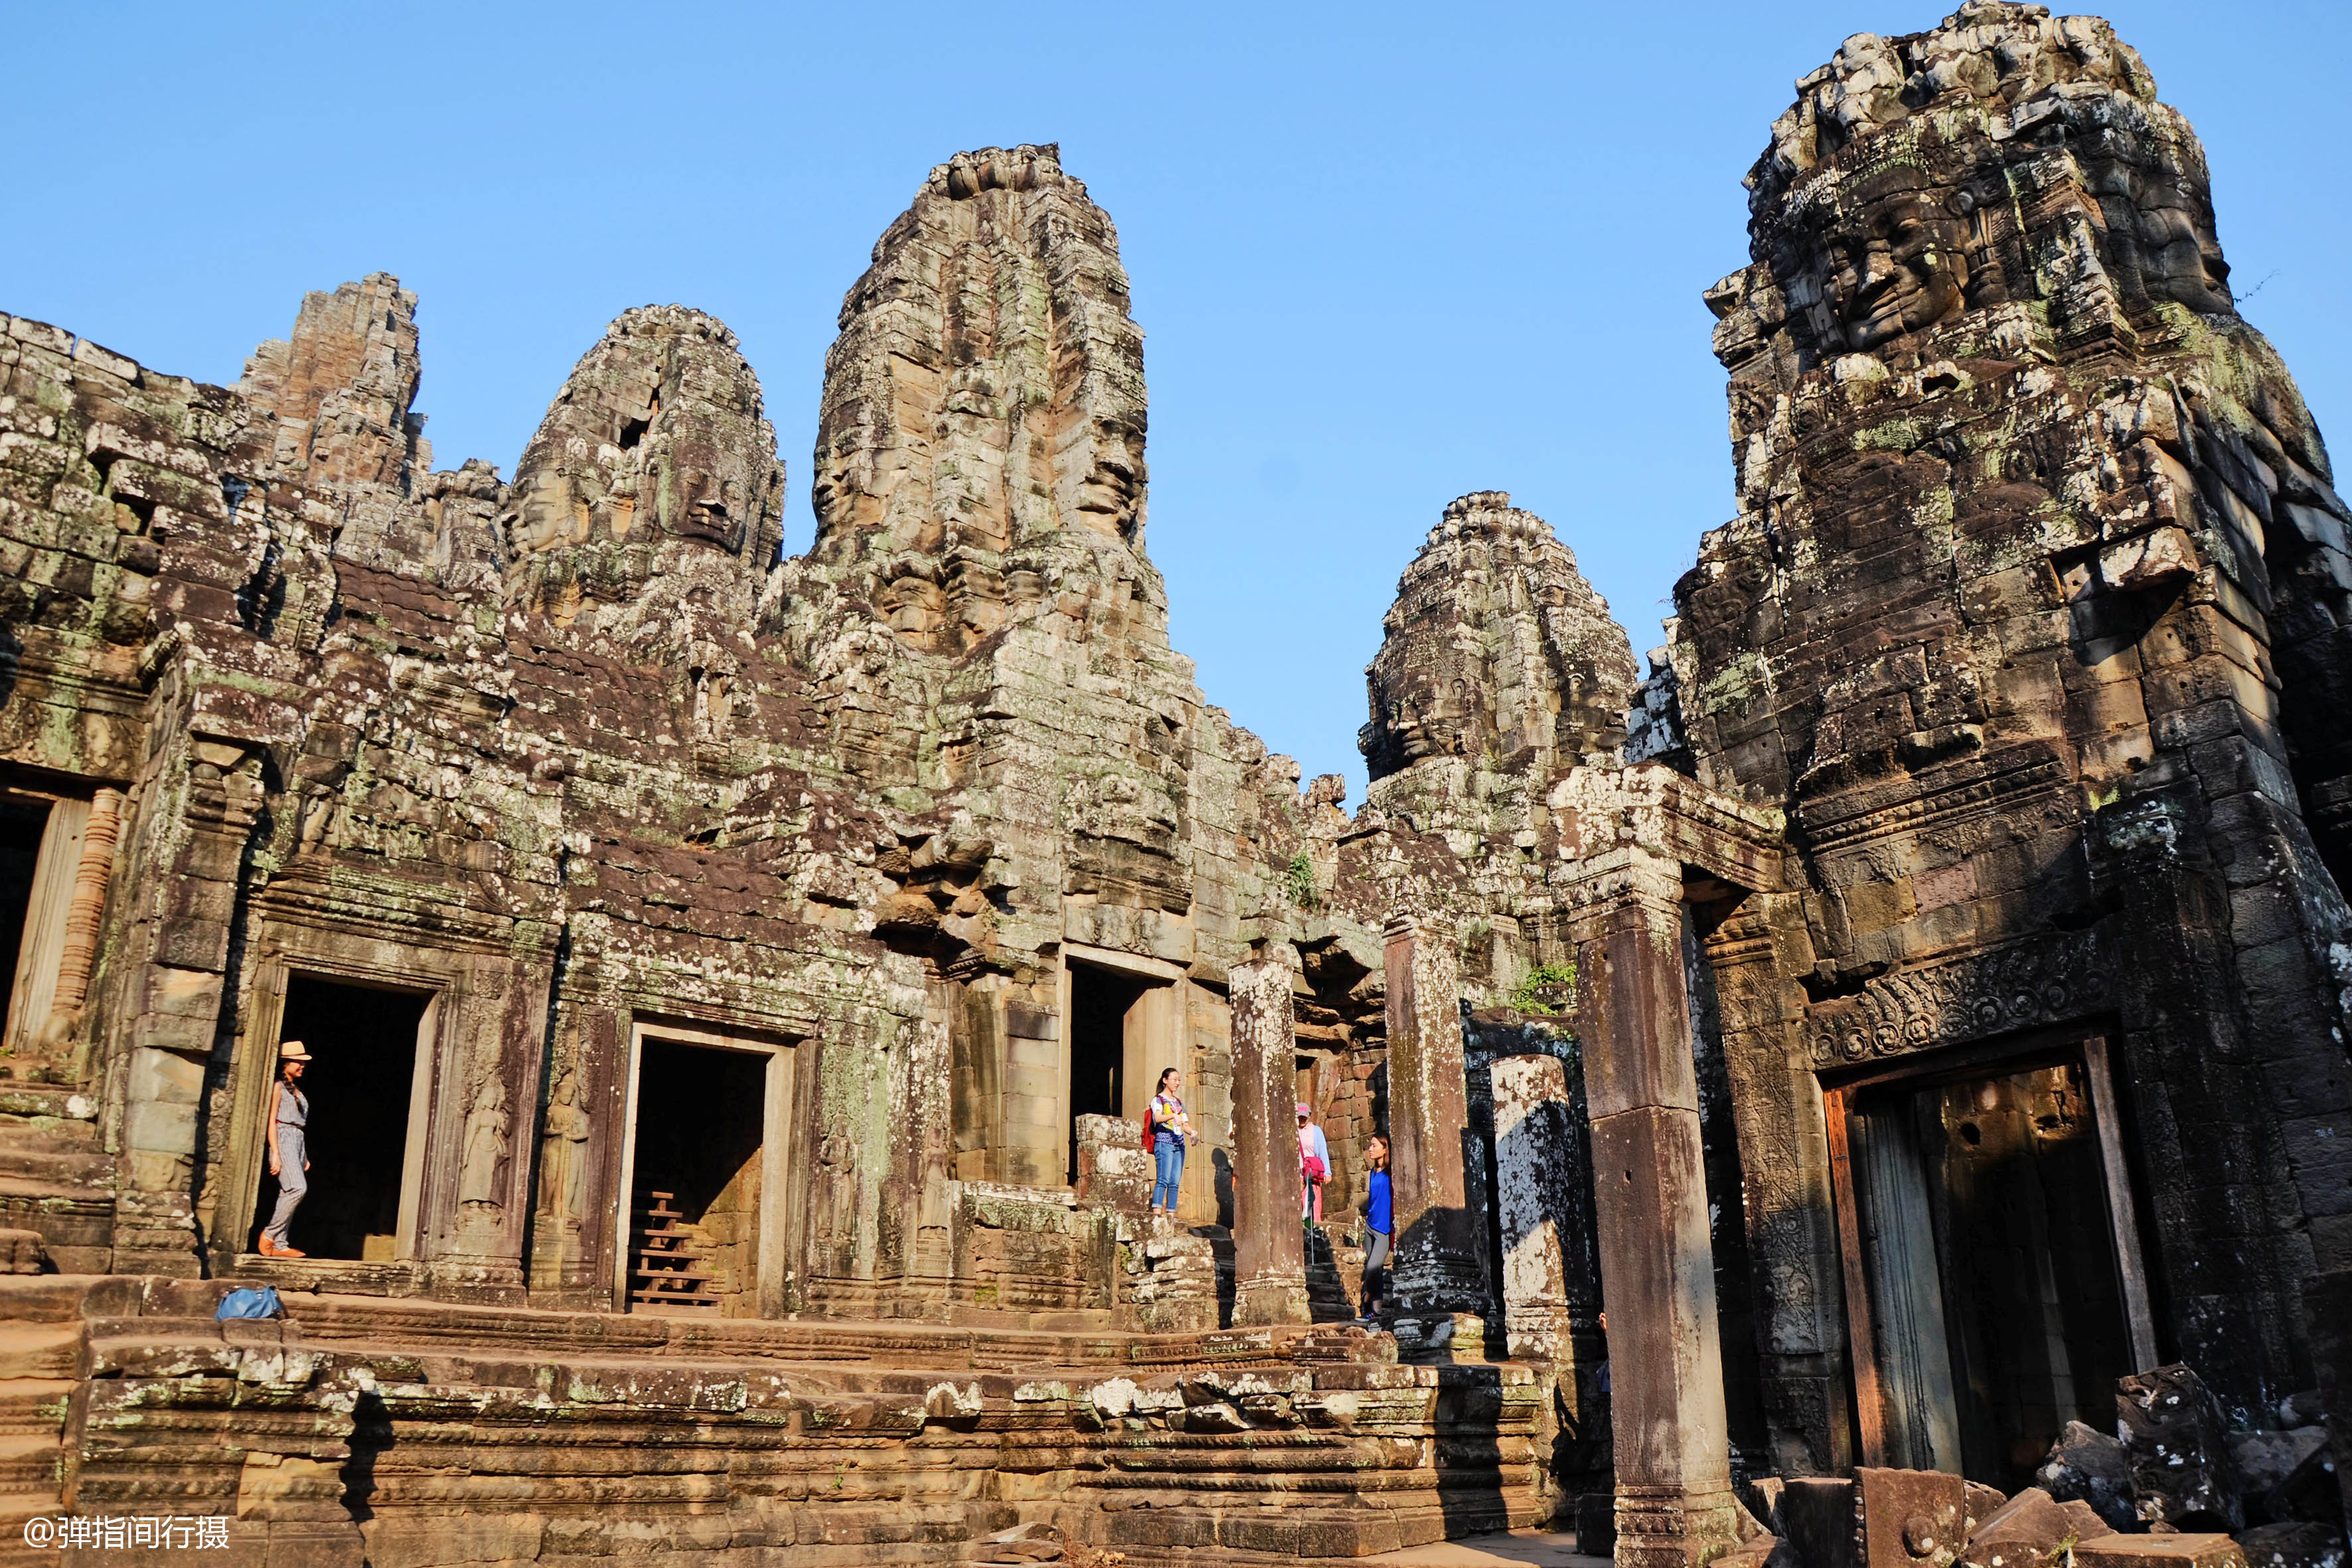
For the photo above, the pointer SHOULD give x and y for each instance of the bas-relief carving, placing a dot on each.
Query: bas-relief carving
(485, 1144)
(563, 1151)
(2028, 985)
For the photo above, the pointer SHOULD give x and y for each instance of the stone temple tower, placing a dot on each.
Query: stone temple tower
(2034, 620)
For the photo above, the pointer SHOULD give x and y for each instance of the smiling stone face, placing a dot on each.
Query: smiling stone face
(1893, 261)
(651, 484)
(2010, 158)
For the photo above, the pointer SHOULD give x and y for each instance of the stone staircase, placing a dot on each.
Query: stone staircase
(55, 1176)
(522, 1433)
(40, 1356)
(1332, 1270)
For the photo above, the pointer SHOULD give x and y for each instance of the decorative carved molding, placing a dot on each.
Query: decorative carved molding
(2022, 985)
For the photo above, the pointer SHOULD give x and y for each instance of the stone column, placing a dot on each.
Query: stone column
(1789, 1206)
(1534, 1167)
(1674, 1508)
(1440, 1266)
(84, 915)
(1269, 1250)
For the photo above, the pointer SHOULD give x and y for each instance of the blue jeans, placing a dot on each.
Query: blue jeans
(1168, 1151)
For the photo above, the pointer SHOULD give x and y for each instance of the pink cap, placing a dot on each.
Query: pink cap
(1302, 1110)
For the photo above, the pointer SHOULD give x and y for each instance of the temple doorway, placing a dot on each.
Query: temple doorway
(1315, 1077)
(41, 875)
(1102, 1002)
(1992, 1224)
(22, 823)
(367, 1045)
(705, 1176)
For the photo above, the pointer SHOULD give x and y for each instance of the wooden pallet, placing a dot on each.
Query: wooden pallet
(669, 1270)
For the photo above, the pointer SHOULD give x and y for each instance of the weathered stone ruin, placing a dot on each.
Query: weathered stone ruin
(735, 981)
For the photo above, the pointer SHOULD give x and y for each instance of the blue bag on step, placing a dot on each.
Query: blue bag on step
(261, 1303)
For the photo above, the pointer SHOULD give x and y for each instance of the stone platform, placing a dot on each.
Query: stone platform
(408, 1432)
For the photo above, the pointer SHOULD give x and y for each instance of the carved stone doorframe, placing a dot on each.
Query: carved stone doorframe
(1156, 1036)
(2088, 1050)
(775, 1252)
(254, 1067)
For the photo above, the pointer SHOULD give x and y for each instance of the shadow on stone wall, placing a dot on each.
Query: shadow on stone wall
(1468, 1458)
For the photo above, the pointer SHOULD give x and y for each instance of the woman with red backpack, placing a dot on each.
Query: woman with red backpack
(1314, 1168)
(1166, 1130)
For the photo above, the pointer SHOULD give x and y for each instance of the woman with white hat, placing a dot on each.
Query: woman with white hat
(290, 1110)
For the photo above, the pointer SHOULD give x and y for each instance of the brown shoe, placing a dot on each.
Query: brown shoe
(272, 1250)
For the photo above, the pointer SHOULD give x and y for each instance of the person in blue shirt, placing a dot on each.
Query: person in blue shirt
(1377, 1223)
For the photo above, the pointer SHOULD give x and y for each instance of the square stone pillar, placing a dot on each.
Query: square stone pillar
(1269, 1248)
(1441, 1263)
(1535, 1168)
(1674, 1507)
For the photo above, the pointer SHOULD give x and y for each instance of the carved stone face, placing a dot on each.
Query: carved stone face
(652, 464)
(546, 516)
(2179, 257)
(1894, 262)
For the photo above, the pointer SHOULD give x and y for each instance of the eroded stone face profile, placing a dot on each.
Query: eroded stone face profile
(736, 983)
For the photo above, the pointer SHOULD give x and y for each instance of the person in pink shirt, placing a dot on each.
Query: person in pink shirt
(1314, 1167)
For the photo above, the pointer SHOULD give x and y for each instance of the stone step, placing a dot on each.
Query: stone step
(44, 1299)
(68, 1170)
(34, 1406)
(48, 1135)
(21, 1102)
(29, 1462)
(39, 1350)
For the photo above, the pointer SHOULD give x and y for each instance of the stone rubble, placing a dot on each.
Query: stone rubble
(2184, 1468)
(2093, 1467)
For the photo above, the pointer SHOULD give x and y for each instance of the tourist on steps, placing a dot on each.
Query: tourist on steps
(1166, 1129)
(290, 1109)
(1314, 1168)
(1378, 1227)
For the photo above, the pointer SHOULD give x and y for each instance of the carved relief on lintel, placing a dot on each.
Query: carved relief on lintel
(2046, 980)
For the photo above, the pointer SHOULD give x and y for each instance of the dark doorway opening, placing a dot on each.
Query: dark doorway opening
(364, 1045)
(22, 823)
(1995, 1295)
(695, 1209)
(1100, 1002)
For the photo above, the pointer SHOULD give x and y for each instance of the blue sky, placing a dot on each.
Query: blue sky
(1383, 255)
